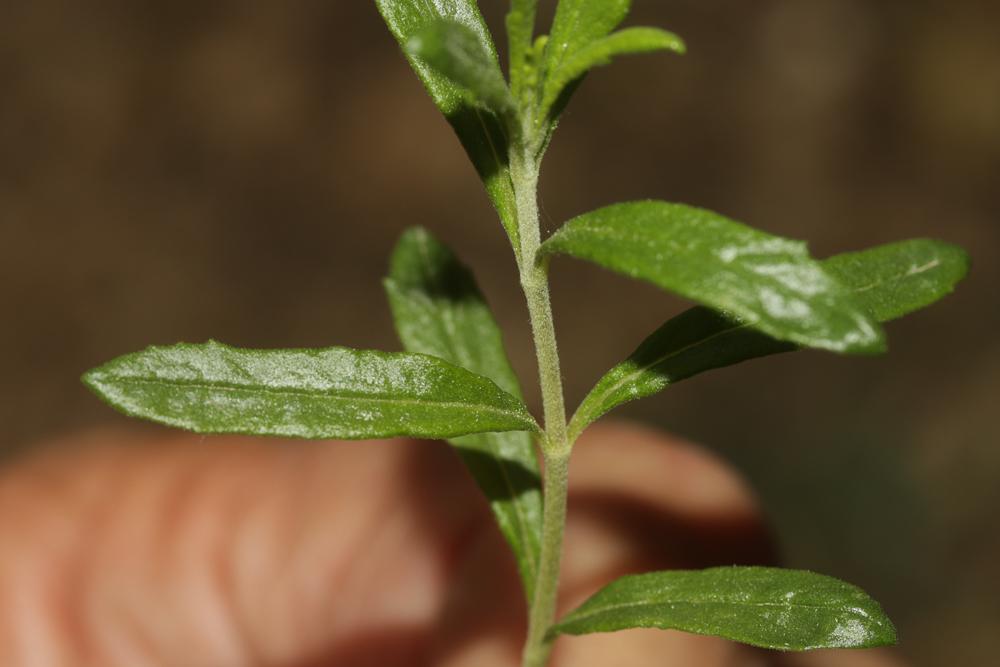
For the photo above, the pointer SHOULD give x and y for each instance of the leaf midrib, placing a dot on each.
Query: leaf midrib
(641, 370)
(910, 272)
(345, 396)
(653, 603)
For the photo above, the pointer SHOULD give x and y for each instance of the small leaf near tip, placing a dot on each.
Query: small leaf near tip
(601, 52)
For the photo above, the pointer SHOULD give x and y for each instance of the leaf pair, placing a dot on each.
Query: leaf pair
(453, 383)
(886, 282)
(764, 293)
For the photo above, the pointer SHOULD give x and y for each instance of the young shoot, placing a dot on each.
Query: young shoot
(755, 295)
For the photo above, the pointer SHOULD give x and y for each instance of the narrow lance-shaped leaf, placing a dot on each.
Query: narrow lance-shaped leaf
(480, 131)
(520, 33)
(456, 52)
(768, 281)
(329, 393)
(887, 281)
(789, 610)
(600, 52)
(578, 24)
(580, 41)
(438, 310)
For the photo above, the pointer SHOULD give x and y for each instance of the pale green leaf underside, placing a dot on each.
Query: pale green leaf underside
(887, 281)
(788, 610)
(329, 393)
(600, 52)
(456, 52)
(439, 310)
(480, 131)
(768, 281)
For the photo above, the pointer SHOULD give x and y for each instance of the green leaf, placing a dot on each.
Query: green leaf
(895, 279)
(768, 281)
(480, 131)
(439, 310)
(520, 34)
(456, 52)
(789, 610)
(600, 52)
(577, 25)
(330, 393)
(581, 39)
(888, 281)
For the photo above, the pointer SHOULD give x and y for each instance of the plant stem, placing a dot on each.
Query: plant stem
(555, 444)
(535, 283)
(543, 608)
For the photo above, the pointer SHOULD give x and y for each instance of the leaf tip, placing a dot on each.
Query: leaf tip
(677, 45)
(870, 628)
(872, 341)
(92, 379)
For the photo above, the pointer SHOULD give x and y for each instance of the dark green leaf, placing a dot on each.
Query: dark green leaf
(480, 131)
(768, 281)
(787, 610)
(331, 393)
(438, 310)
(520, 35)
(600, 52)
(888, 281)
(456, 52)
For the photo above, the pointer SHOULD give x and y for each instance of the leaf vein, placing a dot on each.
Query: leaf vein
(345, 396)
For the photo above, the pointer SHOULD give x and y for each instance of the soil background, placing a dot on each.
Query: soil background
(183, 170)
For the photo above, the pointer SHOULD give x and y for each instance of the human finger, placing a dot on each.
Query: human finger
(124, 549)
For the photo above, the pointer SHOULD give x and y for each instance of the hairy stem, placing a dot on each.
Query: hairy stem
(555, 444)
(543, 608)
(535, 283)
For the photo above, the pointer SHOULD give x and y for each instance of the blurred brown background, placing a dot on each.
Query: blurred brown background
(180, 170)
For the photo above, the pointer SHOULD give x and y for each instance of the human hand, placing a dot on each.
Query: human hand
(132, 550)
